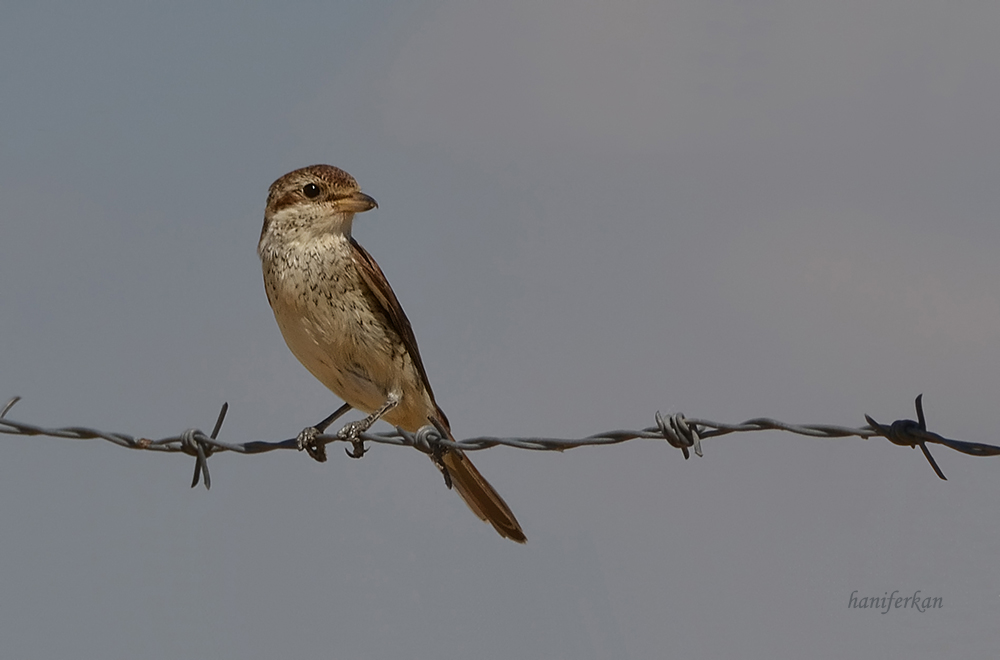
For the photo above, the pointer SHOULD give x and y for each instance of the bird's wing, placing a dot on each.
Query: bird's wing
(379, 286)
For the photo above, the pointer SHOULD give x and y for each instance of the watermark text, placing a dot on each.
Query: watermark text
(895, 600)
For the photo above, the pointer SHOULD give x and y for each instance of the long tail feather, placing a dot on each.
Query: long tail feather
(481, 497)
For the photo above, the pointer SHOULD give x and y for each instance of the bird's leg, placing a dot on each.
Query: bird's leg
(353, 430)
(307, 437)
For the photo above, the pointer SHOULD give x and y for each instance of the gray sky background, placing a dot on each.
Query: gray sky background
(590, 211)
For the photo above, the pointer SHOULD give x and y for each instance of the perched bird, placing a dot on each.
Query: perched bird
(341, 319)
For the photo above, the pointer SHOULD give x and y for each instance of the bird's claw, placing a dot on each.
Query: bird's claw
(307, 440)
(357, 450)
(351, 433)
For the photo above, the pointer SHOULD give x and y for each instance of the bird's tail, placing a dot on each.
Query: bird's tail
(481, 497)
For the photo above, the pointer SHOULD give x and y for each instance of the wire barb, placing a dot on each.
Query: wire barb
(682, 432)
(679, 434)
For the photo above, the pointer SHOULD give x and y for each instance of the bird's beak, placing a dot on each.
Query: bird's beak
(356, 202)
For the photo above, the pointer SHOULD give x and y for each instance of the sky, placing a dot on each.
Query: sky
(591, 211)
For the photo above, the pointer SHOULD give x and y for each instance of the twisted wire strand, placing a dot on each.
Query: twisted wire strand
(679, 431)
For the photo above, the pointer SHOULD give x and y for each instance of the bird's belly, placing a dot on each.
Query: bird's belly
(329, 348)
(354, 358)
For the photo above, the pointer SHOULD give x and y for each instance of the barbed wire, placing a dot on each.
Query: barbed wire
(682, 432)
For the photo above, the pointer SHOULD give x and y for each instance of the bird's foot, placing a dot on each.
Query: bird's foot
(307, 440)
(351, 433)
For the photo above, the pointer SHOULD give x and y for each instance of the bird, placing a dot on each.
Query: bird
(340, 317)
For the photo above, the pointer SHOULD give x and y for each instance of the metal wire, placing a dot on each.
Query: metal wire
(679, 431)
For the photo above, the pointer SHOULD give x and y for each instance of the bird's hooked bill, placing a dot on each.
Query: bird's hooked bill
(357, 202)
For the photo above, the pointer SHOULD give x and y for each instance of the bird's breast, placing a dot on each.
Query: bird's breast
(335, 327)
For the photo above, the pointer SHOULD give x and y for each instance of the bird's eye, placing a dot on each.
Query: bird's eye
(310, 190)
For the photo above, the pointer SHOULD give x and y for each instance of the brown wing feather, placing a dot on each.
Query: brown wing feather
(379, 285)
(477, 493)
